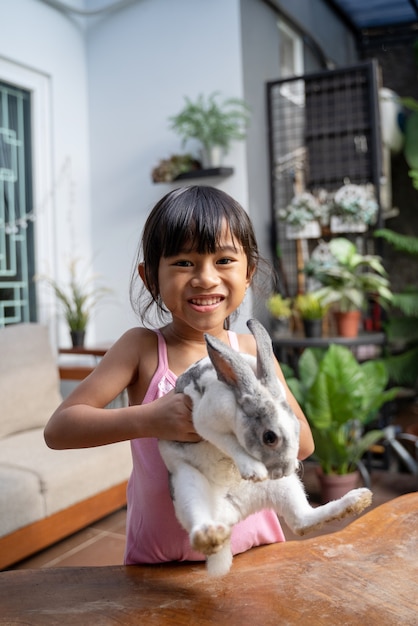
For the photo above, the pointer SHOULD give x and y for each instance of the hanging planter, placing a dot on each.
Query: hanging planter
(353, 209)
(311, 230)
(302, 216)
(340, 225)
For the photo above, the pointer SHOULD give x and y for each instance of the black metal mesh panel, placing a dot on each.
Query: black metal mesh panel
(323, 131)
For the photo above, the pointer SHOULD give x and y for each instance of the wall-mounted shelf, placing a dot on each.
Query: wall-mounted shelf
(206, 173)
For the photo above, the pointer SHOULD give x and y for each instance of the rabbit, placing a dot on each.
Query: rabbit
(247, 460)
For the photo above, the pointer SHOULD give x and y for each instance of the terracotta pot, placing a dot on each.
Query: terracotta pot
(334, 486)
(348, 323)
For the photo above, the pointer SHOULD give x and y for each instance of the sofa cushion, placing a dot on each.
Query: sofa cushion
(66, 476)
(29, 379)
(21, 499)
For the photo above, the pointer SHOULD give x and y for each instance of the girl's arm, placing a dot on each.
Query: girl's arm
(306, 442)
(82, 421)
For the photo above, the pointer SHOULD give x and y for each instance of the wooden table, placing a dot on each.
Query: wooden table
(365, 574)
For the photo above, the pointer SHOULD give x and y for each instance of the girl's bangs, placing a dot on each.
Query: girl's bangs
(195, 229)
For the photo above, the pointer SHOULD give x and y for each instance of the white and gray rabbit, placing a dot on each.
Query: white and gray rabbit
(248, 459)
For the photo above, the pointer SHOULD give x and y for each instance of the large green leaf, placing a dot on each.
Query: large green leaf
(340, 396)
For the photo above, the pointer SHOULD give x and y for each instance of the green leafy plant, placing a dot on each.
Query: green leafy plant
(410, 148)
(355, 203)
(303, 209)
(212, 121)
(401, 326)
(78, 298)
(340, 397)
(279, 307)
(168, 169)
(350, 278)
(309, 306)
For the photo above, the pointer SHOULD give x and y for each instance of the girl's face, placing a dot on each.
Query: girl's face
(202, 290)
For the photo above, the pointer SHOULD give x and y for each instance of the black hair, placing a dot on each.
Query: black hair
(188, 218)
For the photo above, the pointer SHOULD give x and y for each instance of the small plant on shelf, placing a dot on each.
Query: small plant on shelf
(349, 279)
(354, 204)
(212, 121)
(78, 298)
(167, 170)
(280, 308)
(310, 306)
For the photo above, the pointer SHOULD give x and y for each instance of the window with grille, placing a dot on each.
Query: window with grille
(17, 267)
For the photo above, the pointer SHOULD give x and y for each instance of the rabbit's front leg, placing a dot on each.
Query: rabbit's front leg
(195, 501)
(248, 467)
(214, 417)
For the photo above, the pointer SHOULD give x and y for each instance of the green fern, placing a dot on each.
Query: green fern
(402, 243)
(402, 331)
(403, 368)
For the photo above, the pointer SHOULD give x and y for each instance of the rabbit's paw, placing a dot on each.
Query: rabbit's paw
(356, 500)
(209, 538)
(252, 470)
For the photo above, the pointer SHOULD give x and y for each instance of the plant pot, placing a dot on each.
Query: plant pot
(311, 230)
(347, 323)
(312, 328)
(280, 327)
(341, 225)
(212, 157)
(77, 338)
(334, 486)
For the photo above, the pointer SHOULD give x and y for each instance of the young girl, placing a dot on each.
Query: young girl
(197, 259)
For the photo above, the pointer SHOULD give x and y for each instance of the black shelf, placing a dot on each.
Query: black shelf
(206, 173)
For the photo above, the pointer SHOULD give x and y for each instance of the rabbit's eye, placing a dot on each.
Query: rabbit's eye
(270, 438)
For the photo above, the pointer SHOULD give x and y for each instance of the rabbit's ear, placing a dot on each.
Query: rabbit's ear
(266, 372)
(231, 368)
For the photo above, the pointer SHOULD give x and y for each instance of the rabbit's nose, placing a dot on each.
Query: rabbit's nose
(271, 439)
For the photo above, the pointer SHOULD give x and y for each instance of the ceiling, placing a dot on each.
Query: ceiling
(367, 14)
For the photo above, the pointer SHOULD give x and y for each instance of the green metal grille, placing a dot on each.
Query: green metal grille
(17, 293)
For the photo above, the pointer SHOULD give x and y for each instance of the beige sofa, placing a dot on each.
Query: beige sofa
(45, 495)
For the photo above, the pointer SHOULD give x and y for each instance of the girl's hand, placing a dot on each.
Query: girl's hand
(173, 418)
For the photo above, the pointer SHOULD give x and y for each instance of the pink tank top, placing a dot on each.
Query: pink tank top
(153, 534)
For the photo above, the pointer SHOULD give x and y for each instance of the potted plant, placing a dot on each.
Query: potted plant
(302, 216)
(280, 309)
(77, 300)
(349, 280)
(214, 122)
(167, 170)
(311, 310)
(340, 398)
(353, 208)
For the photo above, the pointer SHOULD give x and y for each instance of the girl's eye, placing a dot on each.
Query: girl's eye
(183, 263)
(224, 261)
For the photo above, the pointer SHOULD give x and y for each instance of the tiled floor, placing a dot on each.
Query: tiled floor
(103, 542)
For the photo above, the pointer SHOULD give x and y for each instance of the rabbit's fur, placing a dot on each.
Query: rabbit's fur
(248, 459)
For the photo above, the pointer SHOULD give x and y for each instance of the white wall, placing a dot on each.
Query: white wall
(44, 51)
(141, 63)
